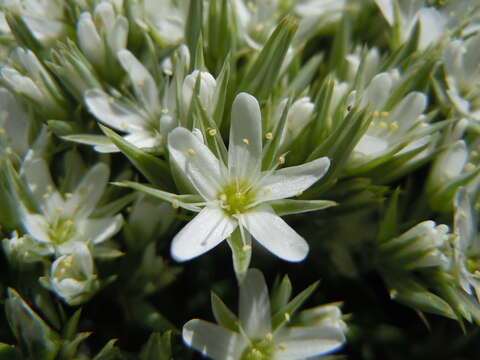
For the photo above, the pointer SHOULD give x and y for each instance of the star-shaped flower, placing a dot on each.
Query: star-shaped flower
(239, 193)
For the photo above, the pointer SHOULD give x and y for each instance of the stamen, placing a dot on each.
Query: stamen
(281, 159)
(383, 125)
(384, 114)
(191, 152)
(470, 166)
(212, 132)
(393, 126)
(140, 83)
(269, 136)
(175, 204)
(245, 141)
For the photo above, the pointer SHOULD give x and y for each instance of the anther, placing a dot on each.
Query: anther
(212, 132)
(375, 114)
(287, 316)
(140, 83)
(384, 114)
(281, 159)
(393, 126)
(245, 141)
(246, 248)
(470, 166)
(383, 125)
(175, 204)
(191, 152)
(269, 136)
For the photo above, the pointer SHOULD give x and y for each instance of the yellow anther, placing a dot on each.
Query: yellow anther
(393, 126)
(281, 159)
(164, 111)
(212, 132)
(269, 136)
(269, 336)
(140, 83)
(245, 141)
(383, 125)
(223, 197)
(68, 195)
(175, 204)
(375, 114)
(246, 248)
(470, 166)
(168, 72)
(373, 124)
(287, 316)
(384, 114)
(191, 152)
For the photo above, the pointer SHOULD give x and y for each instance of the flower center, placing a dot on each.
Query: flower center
(236, 197)
(261, 349)
(61, 230)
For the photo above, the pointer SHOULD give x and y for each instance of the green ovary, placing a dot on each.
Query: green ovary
(259, 350)
(236, 197)
(61, 230)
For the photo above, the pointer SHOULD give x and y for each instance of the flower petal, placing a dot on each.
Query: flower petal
(209, 228)
(88, 191)
(212, 340)
(293, 180)
(102, 229)
(143, 83)
(245, 146)
(298, 343)
(196, 161)
(274, 234)
(36, 225)
(406, 113)
(113, 112)
(254, 305)
(378, 91)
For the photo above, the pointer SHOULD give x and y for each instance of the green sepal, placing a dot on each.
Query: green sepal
(113, 207)
(63, 128)
(261, 76)
(146, 315)
(411, 293)
(158, 347)
(9, 352)
(281, 293)
(22, 33)
(305, 76)
(223, 315)
(388, 228)
(87, 139)
(183, 201)
(291, 206)
(284, 314)
(153, 168)
(35, 337)
(241, 246)
(109, 352)
(69, 348)
(193, 31)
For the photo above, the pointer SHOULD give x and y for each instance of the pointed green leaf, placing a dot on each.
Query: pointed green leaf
(223, 315)
(281, 294)
(291, 206)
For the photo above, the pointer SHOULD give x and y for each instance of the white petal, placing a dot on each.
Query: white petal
(143, 139)
(298, 343)
(245, 144)
(433, 24)
(274, 234)
(142, 81)
(254, 305)
(212, 340)
(112, 112)
(89, 40)
(406, 113)
(36, 225)
(40, 183)
(370, 146)
(209, 228)
(378, 91)
(386, 7)
(88, 191)
(117, 39)
(102, 229)
(293, 180)
(196, 161)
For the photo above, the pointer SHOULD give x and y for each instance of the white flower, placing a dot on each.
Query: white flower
(206, 92)
(63, 221)
(104, 32)
(44, 18)
(256, 339)
(147, 120)
(35, 84)
(24, 249)
(461, 59)
(256, 20)
(432, 21)
(399, 131)
(72, 277)
(165, 18)
(239, 194)
(419, 247)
